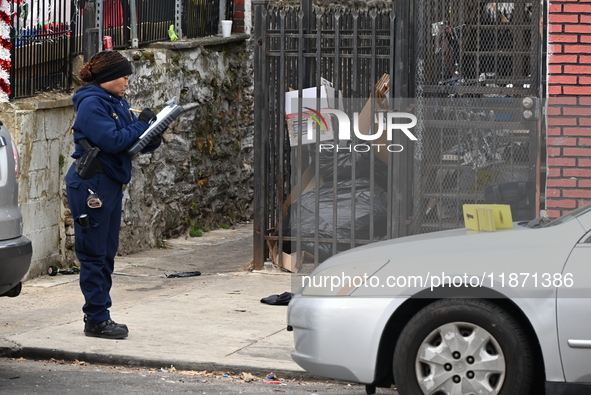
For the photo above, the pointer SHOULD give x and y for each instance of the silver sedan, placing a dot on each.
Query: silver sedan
(15, 249)
(454, 312)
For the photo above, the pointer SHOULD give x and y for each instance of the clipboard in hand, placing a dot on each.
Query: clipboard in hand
(163, 119)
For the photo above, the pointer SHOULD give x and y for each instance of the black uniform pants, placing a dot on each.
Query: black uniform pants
(96, 245)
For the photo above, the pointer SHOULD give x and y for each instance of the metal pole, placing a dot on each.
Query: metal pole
(100, 17)
(306, 7)
(260, 128)
(133, 21)
(92, 31)
(178, 26)
(401, 93)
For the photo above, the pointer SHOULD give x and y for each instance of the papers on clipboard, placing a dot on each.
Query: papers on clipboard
(159, 119)
(163, 119)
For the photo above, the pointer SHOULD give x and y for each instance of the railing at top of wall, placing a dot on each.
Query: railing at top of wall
(47, 34)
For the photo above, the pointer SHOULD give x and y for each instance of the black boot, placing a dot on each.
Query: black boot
(107, 330)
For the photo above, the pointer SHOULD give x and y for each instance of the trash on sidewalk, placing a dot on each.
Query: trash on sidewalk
(173, 275)
(272, 379)
(183, 274)
(278, 300)
(248, 377)
(54, 270)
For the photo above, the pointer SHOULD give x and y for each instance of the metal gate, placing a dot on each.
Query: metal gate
(308, 204)
(462, 68)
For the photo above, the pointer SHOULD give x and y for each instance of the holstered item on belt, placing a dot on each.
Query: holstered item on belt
(88, 165)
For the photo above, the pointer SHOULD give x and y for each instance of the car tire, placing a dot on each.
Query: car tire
(462, 346)
(14, 291)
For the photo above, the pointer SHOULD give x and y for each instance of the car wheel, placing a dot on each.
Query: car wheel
(462, 346)
(14, 291)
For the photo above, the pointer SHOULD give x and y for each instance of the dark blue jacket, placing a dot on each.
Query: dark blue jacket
(107, 122)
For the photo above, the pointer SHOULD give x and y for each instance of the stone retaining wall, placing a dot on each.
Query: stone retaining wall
(202, 173)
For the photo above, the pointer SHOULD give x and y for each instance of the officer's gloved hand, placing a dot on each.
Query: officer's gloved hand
(147, 116)
(155, 142)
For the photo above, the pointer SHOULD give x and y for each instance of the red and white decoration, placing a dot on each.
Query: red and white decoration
(5, 46)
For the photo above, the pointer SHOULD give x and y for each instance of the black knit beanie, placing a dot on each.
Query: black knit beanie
(113, 72)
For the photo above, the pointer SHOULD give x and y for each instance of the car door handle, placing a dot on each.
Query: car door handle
(576, 343)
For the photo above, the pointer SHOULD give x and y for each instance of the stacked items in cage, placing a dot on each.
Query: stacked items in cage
(344, 201)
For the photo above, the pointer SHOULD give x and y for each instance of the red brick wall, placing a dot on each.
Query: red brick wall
(238, 24)
(568, 182)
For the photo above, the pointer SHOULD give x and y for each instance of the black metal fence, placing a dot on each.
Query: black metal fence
(198, 20)
(43, 39)
(469, 72)
(150, 21)
(47, 34)
(310, 203)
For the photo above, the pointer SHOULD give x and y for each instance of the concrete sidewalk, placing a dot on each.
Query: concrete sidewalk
(213, 321)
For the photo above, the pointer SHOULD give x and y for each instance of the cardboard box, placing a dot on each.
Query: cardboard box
(312, 121)
(365, 116)
(289, 262)
(487, 217)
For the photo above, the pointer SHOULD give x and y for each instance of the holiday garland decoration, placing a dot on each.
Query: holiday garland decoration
(5, 47)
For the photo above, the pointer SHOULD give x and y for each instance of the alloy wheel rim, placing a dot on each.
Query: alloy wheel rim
(460, 358)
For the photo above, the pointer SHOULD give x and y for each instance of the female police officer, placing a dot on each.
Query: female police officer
(103, 130)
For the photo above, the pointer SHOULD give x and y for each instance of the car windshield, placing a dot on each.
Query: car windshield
(568, 217)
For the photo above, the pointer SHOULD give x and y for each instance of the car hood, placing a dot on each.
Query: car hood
(427, 243)
(459, 252)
